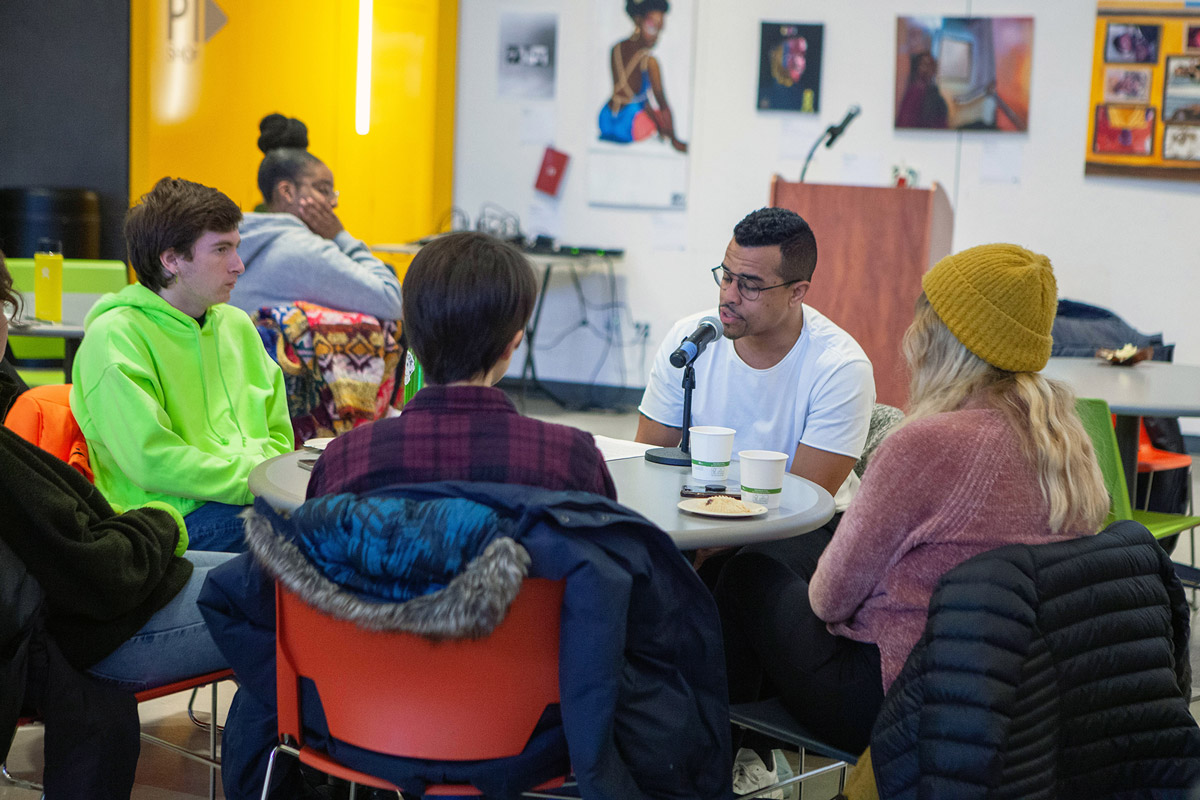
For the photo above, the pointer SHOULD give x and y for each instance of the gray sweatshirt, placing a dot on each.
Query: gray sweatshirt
(286, 262)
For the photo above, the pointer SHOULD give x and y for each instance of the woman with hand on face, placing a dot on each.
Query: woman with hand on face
(298, 249)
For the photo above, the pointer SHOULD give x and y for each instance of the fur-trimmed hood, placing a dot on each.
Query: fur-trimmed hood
(444, 569)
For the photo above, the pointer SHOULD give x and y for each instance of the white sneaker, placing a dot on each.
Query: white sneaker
(751, 774)
(783, 770)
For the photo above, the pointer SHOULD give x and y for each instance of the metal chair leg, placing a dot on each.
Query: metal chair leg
(20, 783)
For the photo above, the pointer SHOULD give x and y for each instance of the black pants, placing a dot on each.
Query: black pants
(91, 729)
(775, 646)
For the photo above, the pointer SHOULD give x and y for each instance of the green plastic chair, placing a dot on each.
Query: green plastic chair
(1097, 421)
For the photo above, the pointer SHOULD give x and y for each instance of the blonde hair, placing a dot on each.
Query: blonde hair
(945, 375)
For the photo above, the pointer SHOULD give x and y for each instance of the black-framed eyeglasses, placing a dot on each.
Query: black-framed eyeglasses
(748, 290)
(325, 190)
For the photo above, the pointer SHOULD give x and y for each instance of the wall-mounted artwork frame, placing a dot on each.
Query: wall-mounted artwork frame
(963, 73)
(1144, 106)
(789, 67)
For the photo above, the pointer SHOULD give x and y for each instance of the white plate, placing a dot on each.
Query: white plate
(318, 444)
(695, 505)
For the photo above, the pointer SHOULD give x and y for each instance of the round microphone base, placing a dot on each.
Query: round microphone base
(669, 455)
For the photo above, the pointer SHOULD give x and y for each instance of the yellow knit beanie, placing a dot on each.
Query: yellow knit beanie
(999, 300)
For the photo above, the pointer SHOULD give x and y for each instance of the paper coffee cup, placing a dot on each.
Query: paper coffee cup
(762, 476)
(711, 450)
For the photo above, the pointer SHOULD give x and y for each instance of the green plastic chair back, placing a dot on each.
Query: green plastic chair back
(1097, 421)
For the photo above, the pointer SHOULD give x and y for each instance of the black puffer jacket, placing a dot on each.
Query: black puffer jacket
(1049, 671)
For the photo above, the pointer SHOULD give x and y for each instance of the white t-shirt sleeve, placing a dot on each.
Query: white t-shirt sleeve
(840, 411)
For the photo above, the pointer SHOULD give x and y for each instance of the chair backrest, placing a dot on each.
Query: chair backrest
(1097, 421)
(84, 282)
(883, 419)
(1045, 671)
(42, 415)
(404, 695)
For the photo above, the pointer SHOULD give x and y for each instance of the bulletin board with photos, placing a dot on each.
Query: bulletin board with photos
(1145, 96)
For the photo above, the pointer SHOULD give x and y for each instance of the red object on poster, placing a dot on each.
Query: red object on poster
(554, 164)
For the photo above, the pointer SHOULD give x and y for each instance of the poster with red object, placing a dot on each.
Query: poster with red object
(549, 177)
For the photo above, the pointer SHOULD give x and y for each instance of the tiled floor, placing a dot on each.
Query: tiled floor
(162, 775)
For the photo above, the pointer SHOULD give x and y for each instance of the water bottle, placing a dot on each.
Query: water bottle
(47, 280)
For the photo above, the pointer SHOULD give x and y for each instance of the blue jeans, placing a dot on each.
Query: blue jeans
(215, 527)
(174, 644)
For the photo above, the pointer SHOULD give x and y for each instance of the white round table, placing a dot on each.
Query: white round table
(650, 489)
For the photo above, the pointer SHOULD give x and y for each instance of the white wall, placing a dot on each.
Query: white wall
(1128, 244)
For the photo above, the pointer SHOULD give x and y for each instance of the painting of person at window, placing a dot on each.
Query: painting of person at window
(638, 107)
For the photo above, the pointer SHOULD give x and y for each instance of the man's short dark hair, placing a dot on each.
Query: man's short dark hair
(172, 216)
(465, 296)
(779, 226)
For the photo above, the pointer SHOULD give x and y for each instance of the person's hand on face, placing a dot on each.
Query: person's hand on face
(317, 214)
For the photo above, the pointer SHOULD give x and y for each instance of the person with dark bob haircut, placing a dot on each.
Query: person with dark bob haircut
(96, 605)
(298, 249)
(467, 298)
(174, 392)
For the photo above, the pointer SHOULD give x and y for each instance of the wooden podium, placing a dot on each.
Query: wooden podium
(873, 246)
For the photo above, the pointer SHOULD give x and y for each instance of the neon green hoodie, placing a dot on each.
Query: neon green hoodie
(173, 411)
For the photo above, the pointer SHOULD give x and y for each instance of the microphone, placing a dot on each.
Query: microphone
(708, 329)
(837, 130)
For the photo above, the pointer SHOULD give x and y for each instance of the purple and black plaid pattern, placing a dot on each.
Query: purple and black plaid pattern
(461, 433)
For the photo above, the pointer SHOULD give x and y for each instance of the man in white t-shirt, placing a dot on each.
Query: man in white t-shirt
(784, 376)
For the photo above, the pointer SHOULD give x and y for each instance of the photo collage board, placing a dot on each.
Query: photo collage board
(1145, 95)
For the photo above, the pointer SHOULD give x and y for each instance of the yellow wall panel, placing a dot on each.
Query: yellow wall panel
(199, 88)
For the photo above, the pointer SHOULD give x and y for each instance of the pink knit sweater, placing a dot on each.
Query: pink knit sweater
(937, 492)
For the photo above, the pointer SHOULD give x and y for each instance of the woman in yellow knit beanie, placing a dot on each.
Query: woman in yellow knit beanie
(991, 454)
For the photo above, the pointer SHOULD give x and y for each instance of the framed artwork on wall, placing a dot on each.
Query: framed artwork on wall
(789, 67)
(1127, 84)
(642, 82)
(957, 73)
(1125, 130)
(1145, 93)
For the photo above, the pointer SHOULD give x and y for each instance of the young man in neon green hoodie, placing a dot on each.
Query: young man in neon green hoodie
(174, 392)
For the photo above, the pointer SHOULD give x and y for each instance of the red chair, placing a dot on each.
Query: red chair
(42, 415)
(1151, 460)
(407, 696)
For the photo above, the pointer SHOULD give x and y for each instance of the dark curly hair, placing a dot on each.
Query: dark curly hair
(640, 8)
(284, 142)
(788, 230)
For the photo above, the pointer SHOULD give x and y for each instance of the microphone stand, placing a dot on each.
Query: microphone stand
(679, 456)
(813, 151)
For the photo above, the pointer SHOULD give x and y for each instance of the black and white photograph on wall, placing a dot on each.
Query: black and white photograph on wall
(527, 55)
(1181, 90)
(1181, 142)
(789, 67)
(1131, 44)
(642, 82)
(1127, 84)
